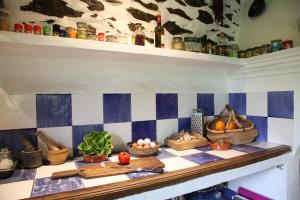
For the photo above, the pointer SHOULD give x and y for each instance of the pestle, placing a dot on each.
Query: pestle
(51, 144)
(26, 144)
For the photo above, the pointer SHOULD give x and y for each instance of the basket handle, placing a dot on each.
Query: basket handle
(233, 118)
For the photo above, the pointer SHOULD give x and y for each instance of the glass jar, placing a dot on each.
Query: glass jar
(6, 161)
(178, 44)
(101, 37)
(242, 54)
(28, 28)
(81, 33)
(46, 30)
(287, 44)
(190, 44)
(139, 35)
(111, 38)
(221, 50)
(71, 32)
(55, 30)
(249, 53)
(18, 28)
(276, 45)
(234, 50)
(37, 29)
(4, 19)
(256, 51)
(266, 48)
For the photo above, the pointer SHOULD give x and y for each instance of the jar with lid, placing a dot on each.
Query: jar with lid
(178, 44)
(101, 37)
(234, 50)
(139, 35)
(242, 54)
(46, 30)
(249, 53)
(28, 28)
(4, 18)
(256, 51)
(276, 45)
(18, 28)
(265, 48)
(221, 50)
(6, 161)
(287, 44)
(71, 32)
(190, 43)
(55, 29)
(37, 29)
(81, 33)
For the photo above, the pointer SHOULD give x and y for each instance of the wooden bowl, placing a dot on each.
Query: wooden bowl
(143, 152)
(219, 146)
(57, 157)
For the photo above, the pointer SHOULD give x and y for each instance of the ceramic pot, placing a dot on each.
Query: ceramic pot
(95, 159)
(32, 159)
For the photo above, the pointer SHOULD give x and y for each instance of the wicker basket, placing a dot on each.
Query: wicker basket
(244, 134)
(143, 152)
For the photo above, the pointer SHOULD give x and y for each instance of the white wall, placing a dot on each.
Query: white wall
(279, 21)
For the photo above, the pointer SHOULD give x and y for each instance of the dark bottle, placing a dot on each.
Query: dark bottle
(159, 33)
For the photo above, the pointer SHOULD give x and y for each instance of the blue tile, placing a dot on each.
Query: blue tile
(247, 148)
(116, 108)
(11, 140)
(204, 148)
(162, 154)
(261, 123)
(79, 131)
(184, 124)
(205, 102)
(47, 185)
(166, 106)
(238, 102)
(53, 110)
(19, 175)
(144, 129)
(281, 104)
(201, 158)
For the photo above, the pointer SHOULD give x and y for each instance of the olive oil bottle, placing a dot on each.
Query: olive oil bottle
(159, 32)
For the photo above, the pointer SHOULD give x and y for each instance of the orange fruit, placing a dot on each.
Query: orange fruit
(219, 125)
(232, 126)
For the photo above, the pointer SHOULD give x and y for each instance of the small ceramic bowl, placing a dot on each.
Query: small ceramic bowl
(220, 146)
(58, 157)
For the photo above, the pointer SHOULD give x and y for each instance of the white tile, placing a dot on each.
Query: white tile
(183, 152)
(220, 100)
(104, 180)
(281, 131)
(226, 154)
(143, 107)
(62, 135)
(121, 135)
(16, 190)
(264, 145)
(165, 128)
(17, 111)
(257, 104)
(87, 109)
(176, 163)
(186, 103)
(46, 171)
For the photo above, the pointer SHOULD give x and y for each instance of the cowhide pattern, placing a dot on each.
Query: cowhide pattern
(179, 17)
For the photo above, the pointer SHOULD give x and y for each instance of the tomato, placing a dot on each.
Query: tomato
(123, 158)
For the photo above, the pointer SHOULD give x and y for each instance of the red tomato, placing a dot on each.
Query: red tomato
(124, 158)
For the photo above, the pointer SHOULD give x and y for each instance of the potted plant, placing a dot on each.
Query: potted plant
(96, 146)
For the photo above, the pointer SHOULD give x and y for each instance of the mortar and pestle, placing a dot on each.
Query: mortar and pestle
(31, 158)
(57, 153)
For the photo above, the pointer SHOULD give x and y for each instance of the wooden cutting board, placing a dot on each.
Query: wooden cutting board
(110, 169)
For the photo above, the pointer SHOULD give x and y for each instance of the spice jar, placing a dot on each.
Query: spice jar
(46, 30)
(178, 44)
(265, 48)
(71, 32)
(18, 28)
(55, 30)
(287, 44)
(81, 33)
(101, 37)
(242, 54)
(111, 38)
(37, 30)
(248, 53)
(191, 44)
(6, 161)
(4, 19)
(139, 35)
(256, 51)
(28, 28)
(221, 50)
(234, 50)
(62, 33)
(276, 45)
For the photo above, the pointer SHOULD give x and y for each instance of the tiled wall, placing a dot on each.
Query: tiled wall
(67, 117)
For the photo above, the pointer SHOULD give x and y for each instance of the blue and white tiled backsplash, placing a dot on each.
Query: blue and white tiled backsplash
(128, 117)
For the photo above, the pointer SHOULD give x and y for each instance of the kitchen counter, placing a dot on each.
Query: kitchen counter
(185, 171)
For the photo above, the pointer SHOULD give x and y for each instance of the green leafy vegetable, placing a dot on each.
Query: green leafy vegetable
(96, 143)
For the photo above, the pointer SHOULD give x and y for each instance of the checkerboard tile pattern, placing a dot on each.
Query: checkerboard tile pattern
(68, 117)
(38, 182)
